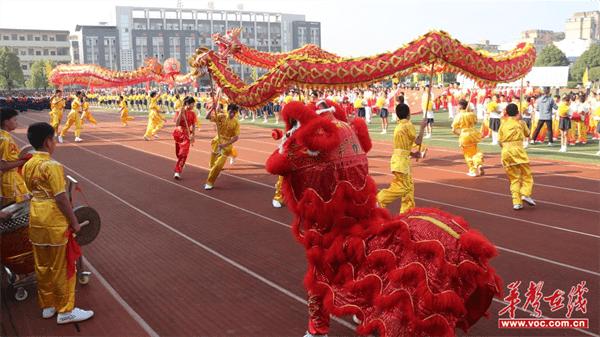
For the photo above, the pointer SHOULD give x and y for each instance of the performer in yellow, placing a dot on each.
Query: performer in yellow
(464, 126)
(73, 118)
(124, 111)
(514, 157)
(402, 185)
(57, 105)
(155, 119)
(228, 132)
(278, 197)
(13, 185)
(51, 217)
(87, 114)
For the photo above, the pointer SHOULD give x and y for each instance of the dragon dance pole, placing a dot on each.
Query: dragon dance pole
(424, 120)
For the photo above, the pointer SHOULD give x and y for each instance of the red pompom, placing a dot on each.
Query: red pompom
(362, 132)
(277, 134)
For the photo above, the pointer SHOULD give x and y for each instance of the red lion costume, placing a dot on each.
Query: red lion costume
(422, 273)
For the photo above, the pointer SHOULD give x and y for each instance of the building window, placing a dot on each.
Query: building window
(23, 52)
(53, 53)
(21, 38)
(158, 47)
(190, 43)
(110, 57)
(302, 36)
(44, 37)
(30, 51)
(5, 37)
(46, 52)
(24, 66)
(141, 49)
(52, 38)
(13, 37)
(38, 53)
(91, 49)
(175, 47)
(37, 38)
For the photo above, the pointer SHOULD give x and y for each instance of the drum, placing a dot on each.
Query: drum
(15, 247)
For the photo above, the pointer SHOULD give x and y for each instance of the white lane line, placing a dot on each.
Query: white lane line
(288, 226)
(206, 248)
(136, 317)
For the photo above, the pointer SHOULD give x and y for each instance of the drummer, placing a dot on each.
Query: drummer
(13, 186)
(50, 221)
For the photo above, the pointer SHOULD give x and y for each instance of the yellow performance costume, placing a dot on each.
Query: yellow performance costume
(47, 231)
(57, 105)
(13, 185)
(73, 118)
(468, 139)
(124, 112)
(278, 193)
(155, 119)
(87, 114)
(515, 159)
(227, 128)
(402, 185)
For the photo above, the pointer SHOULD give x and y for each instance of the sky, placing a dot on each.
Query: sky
(348, 28)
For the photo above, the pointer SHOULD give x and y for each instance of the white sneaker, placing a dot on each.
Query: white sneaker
(146, 138)
(60, 139)
(156, 137)
(177, 176)
(266, 121)
(525, 144)
(48, 312)
(76, 315)
(472, 174)
(528, 200)
(563, 149)
(231, 160)
(78, 140)
(494, 143)
(550, 144)
(480, 170)
(598, 153)
(517, 207)
(532, 142)
(277, 204)
(208, 187)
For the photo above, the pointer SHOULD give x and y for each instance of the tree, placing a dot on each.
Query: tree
(11, 74)
(40, 71)
(590, 58)
(551, 56)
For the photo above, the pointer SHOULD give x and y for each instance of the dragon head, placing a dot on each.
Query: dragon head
(318, 151)
(228, 43)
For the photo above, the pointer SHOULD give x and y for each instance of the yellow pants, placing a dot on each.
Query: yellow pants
(473, 157)
(88, 116)
(401, 187)
(125, 118)
(581, 129)
(55, 119)
(155, 123)
(72, 119)
(278, 195)
(521, 182)
(54, 290)
(217, 161)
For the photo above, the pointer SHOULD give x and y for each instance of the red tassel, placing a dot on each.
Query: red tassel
(73, 253)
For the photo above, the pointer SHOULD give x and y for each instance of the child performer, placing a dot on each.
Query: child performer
(514, 157)
(185, 127)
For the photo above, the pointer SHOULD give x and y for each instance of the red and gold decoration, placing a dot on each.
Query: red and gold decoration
(421, 273)
(98, 77)
(230, 45)
(435, 48)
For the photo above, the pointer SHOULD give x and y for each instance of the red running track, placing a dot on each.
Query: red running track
(177, 260)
